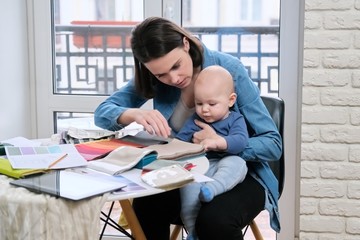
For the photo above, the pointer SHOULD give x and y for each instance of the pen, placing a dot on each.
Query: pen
(57, 160)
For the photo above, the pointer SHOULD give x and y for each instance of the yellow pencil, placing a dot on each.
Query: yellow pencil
(57, 160)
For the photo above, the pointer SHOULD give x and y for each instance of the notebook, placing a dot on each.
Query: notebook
(70, 184)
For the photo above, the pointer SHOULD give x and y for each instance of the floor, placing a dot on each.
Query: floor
(112, 234)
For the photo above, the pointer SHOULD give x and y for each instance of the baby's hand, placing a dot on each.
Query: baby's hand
(214, 144)
(206, 132)
(209, 144)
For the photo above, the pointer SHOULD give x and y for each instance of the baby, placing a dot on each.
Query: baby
(214, 98)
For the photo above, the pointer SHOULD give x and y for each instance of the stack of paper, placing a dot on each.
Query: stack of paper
(26, 157)
(70, 184)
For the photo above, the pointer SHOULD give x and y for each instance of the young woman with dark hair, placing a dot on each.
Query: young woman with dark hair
(167, 61)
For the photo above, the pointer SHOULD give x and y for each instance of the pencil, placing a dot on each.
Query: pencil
(57, 160)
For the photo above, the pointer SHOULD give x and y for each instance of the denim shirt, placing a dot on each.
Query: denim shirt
(264, 142)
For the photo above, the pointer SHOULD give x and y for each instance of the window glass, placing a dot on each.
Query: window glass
(92, 48)
(255, 40)
(92, 53)
(244, 12)
(65, 120)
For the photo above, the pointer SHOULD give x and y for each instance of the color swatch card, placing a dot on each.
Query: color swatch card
(45, 157)
(98, 149)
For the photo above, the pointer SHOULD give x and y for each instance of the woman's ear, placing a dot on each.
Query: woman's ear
(186, 44)
(232, 99)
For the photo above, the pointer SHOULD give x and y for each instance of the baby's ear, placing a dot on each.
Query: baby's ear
(232, 99)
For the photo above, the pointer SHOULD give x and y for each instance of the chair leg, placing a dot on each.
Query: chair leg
(255, 230)
(175, 232)
(132, 220)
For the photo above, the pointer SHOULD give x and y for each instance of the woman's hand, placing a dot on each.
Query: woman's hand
(209, 138)
(152, 120)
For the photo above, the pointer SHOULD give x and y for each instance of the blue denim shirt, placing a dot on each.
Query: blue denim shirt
(264, 142)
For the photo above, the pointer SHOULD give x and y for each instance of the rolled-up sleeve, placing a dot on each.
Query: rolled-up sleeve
(107, 113)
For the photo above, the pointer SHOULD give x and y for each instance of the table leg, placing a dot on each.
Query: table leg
(132, 220)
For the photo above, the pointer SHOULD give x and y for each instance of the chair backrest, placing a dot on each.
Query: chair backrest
(276, 108)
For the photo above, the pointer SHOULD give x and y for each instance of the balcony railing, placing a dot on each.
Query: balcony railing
(97, 59)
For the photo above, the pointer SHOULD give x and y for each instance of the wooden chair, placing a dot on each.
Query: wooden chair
(276, 108)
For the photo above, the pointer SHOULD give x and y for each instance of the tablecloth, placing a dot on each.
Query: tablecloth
(28, 215)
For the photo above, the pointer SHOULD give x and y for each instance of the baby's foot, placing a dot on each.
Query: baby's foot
(206, 194)
(191, 237)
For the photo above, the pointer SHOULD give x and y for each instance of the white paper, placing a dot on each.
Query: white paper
(92, 134)
(41, 157)
(22, 142)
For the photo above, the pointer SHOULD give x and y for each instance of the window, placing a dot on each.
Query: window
(92, 55)
(256, 46)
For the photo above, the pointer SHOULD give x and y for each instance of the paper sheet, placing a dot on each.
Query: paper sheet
(22, 142)
(41, 157)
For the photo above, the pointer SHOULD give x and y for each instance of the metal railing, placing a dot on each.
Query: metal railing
(97, 60)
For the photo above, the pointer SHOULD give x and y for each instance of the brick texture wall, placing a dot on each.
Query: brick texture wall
(330, 151)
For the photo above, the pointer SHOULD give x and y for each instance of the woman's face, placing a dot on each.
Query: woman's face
(175, 68)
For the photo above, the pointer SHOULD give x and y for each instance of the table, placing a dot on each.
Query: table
(136, 188)
(27, 215)
(139, 189)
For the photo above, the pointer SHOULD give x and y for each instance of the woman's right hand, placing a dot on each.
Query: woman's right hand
(152, 120)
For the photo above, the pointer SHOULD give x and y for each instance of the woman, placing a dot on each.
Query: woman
(167, 62)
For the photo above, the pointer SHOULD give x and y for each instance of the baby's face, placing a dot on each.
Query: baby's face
(212, 102)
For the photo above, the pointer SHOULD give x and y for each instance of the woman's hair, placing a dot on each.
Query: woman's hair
(154, 38)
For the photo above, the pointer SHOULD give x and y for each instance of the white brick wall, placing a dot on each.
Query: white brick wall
(330, 151)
